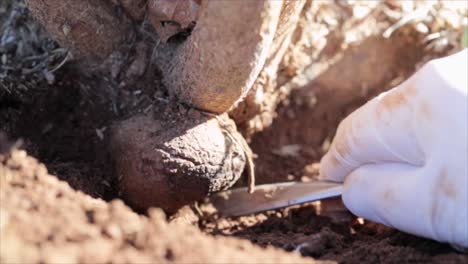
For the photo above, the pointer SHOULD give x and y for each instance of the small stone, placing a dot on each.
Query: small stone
(113, 231)
(66, 29)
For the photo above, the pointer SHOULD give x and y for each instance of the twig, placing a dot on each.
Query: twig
(240, 141)
(419, 13)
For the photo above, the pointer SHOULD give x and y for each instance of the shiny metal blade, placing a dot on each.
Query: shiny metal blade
(237, 202)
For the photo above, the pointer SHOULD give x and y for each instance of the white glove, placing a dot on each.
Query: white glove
(403, 156)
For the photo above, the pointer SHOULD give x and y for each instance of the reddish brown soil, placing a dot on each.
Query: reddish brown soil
(71, 216)
(59, 127)
(309, 117)
(311, 114)
(303, 231)
(43, 220)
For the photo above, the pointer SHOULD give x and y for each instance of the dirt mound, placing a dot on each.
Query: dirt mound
(71, 227)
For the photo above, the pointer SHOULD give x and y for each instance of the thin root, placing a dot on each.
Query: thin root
(238, 139)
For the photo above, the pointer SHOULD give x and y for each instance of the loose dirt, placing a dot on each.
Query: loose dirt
(65, 208)
(291, 150)
(43, 220)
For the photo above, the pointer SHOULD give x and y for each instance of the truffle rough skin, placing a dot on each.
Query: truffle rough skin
(174, 156)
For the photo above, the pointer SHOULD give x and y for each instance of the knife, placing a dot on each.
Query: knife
(237, 202)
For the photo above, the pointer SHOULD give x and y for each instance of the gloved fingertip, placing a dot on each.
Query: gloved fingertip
(362, 193)
(332, 168)
(355, 195)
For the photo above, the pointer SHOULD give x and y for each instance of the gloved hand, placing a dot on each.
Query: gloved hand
(403, 156)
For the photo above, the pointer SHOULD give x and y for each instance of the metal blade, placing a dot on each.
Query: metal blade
(237, 202)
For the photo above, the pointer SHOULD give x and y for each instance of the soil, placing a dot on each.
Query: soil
(65, 208)
(43, 220)
(305, 123)
(301, 230)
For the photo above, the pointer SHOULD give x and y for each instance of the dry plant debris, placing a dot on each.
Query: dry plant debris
(28, 57)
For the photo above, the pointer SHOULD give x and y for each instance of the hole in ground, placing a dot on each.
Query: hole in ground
(66, 129)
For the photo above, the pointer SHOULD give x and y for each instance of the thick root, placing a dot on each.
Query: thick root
(174, 156)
